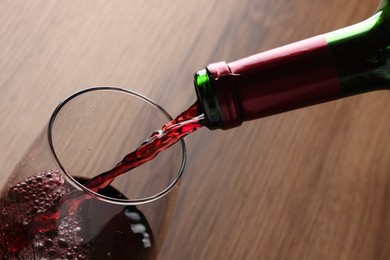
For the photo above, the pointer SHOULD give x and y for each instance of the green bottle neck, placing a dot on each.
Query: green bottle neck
(362, 53)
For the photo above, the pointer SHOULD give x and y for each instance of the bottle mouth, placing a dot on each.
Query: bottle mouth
(216, 90)
(208, 98)
(72, 179)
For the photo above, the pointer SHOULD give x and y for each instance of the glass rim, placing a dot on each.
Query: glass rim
(101, 197)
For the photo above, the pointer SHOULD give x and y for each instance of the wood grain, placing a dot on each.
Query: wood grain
(308, 184)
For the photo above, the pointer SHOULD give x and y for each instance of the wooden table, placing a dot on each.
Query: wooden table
(308, 184)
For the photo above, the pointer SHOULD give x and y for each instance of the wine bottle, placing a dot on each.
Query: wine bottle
(345, 62)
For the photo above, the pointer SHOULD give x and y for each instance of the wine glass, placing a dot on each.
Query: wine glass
(48, 213)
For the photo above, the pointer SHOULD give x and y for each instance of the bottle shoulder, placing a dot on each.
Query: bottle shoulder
(362, 53)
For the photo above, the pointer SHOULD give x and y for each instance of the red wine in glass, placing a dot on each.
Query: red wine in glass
(117, 233)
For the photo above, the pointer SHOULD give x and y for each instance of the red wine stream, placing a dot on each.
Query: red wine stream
(186, 123)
